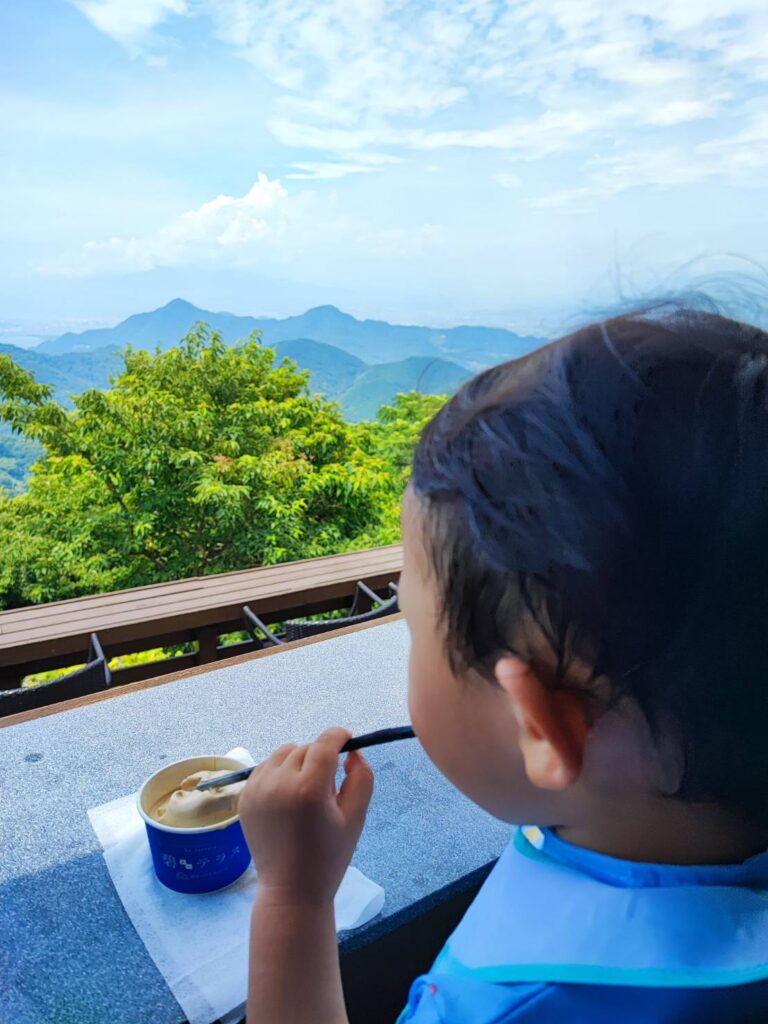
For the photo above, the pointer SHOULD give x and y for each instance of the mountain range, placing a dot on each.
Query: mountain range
(373, 341)
(362, 364)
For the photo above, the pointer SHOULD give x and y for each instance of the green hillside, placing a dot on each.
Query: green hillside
(70, 373)
(332, 370)
(16, 456)
(362, 389)
(378, 385)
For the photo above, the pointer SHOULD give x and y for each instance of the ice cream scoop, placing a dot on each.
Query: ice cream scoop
(188, 807)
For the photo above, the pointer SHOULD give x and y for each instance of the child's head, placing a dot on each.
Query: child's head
(586, 575)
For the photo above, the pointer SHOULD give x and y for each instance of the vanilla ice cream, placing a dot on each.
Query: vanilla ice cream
(188, 807)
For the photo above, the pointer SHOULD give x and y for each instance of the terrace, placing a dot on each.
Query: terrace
(193, 612)
(427, 846)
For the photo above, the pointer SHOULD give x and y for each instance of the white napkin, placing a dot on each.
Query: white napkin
(200, 943)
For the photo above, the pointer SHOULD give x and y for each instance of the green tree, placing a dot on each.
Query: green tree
(201, 459)
(390, 439)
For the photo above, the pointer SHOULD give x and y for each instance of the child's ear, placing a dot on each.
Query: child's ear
(553, 725)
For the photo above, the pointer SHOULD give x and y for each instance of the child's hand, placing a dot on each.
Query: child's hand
(300, 830)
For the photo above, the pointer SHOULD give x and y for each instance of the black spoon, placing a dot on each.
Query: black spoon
(370, 739)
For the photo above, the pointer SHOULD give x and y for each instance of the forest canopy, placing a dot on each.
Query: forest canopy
(201, 459)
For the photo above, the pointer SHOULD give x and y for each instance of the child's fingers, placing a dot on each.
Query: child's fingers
(279, 756)
(275, 759)
(323, 755)
(296, 757)
(357, 788)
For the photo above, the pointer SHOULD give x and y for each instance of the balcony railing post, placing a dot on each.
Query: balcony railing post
(207, 640)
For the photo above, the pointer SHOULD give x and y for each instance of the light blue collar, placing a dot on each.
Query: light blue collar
(633, 874)
(550, 911)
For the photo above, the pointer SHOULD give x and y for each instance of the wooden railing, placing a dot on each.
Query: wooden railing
(199, 610)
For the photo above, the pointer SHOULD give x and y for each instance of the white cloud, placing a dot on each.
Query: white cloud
(527, 138)
(310, 171)
(227, 229)
(266, 227)
(335, 140)
(740, 158)
(639, 92)
(130, 22)
(377, 74)
(680, 111)
(400, 78)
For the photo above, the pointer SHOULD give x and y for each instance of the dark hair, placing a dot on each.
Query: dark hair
(610, 490)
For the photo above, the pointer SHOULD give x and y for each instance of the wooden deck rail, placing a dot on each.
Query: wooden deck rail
(41, 637)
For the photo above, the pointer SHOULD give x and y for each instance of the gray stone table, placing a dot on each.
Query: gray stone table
(68, 952)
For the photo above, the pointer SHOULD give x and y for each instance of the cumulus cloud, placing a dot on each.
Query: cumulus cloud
(267, 225)
(227, 229)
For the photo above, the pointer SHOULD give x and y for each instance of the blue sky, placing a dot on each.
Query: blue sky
(449, 161)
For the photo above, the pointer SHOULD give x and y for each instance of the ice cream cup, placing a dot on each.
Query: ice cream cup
(193, 860)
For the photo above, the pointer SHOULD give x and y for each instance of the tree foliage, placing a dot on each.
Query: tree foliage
(390, 439)
(198, 460)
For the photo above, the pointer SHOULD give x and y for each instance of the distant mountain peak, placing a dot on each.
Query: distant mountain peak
(328, 313)
(180, 305)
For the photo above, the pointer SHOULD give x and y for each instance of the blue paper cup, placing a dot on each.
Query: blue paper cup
(193, 860)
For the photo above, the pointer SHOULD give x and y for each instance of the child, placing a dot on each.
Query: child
(586, 587)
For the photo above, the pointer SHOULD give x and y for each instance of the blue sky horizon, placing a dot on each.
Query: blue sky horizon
(509, 163)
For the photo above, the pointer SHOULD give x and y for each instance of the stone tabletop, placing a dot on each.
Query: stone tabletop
(68, 953)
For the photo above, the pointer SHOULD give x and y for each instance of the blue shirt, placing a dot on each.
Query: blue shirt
(562, 934)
